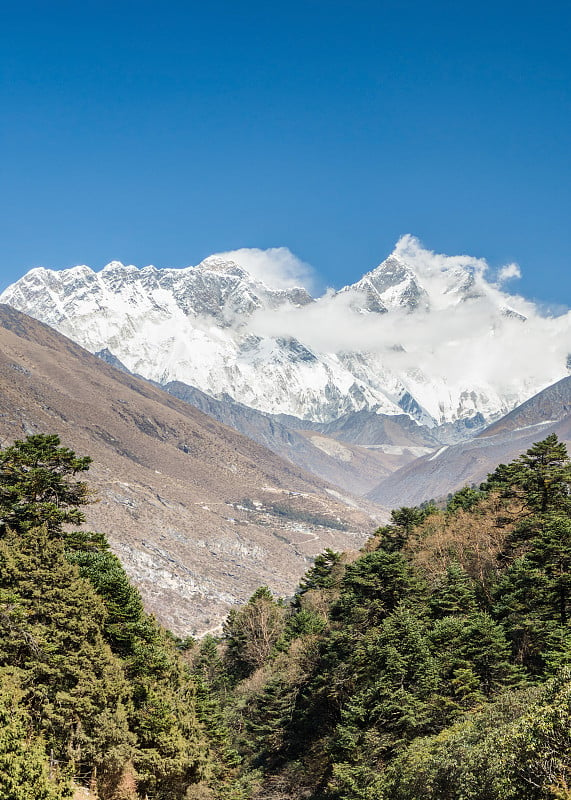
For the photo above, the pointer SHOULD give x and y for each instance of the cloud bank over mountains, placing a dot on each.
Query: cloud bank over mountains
(277, 267)
(466, 329)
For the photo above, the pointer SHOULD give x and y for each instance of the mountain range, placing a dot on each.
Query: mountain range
(449, 468)
(425, 335)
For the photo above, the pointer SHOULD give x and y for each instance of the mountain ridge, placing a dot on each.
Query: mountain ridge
(422, 334)
(468, 463)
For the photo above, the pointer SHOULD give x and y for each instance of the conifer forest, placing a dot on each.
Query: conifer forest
(434, 664)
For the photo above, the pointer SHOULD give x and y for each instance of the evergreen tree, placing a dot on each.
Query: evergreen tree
(373, 586)
(540, 478)
(101, 681)
(324, 574)
(208, 665)
(533, 596)
(269, 719)
(404, 520)
(549, 550)
(454, 593)
(171, 753)
(24, 763)
(392, 702)
(465, 498)
(51, 634)
(37, 485)
(476, 643)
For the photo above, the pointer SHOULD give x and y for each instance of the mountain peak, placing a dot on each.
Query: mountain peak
(413, 278)
(118, 266)
(446, 279)
(222, 266)
(393, 284)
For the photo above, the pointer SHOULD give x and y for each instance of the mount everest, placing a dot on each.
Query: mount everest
(425, 334)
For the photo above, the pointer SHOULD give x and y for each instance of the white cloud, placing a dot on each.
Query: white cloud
(508, 272)
(277, 267)
(428, 264)
(465, 340)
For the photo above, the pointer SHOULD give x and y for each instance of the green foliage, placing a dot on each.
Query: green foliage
(24, 771)
(304, 622)
(51, 625)
(405, 673)
(270, 717)
(171, 752)
(454, 593)
(101, 683)
(474, 643)
(404, 520)
(252, 632)
(540, 478)
(125, 620)
(37, 486)
(324, 574)
(533, 595)
(465, 498)
(373, 585)
(208, 665)
(515, 749)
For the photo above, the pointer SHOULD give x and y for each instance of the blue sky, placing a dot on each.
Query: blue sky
(161, 133)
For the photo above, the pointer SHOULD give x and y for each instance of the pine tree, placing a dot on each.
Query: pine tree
(24, 763)
(37, 485)
(322, 575)
(374, 585)
(540, 478)
(404, 520)
(102, 682)
(454, 594)
(51, 624)
(473, 642)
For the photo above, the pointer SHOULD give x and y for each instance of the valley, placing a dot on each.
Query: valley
(349, 582)
(278, 449)
(198, 514)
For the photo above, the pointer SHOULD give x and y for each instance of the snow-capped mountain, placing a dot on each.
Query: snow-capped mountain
(423, 333)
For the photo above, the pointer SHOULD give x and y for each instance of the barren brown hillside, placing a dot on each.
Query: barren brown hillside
(199, 515)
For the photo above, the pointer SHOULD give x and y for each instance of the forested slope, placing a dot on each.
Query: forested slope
(433, 664)
(91, 688)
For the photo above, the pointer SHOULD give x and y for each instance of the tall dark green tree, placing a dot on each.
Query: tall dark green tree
(38, 485)
(324, 574)
(540, 478)
(24, 764)
(51, 626)
(533, 595)
(374, 585)
(404, 520)
(454, 593)
(101, 681)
